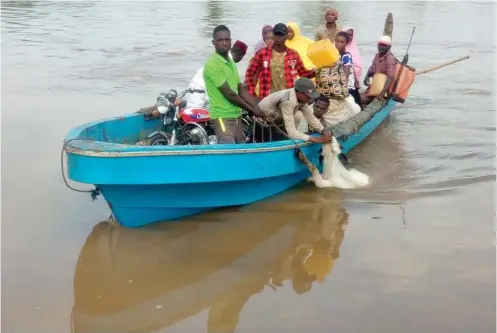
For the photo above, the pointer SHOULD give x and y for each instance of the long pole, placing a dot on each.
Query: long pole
(431, 69)
(410, 40)
(406, 56)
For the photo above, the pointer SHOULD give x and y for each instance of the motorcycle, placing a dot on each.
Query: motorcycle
(181, 125)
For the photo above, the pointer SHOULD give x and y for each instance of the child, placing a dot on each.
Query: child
(346, 60)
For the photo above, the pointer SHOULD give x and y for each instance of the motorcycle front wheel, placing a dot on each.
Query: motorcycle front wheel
(194, 134)
(158, 140)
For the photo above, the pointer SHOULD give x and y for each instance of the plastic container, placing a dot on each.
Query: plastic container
(379, 80)
(402, 83)
(323, 53)
(399, 88)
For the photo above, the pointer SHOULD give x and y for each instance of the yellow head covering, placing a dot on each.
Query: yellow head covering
(300, 44)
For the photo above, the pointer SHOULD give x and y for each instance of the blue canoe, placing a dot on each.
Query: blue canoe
(147, 184)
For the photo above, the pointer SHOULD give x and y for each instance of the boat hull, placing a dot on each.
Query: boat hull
(147, 184)
(138, 205)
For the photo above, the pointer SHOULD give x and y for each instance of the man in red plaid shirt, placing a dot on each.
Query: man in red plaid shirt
(275, 68)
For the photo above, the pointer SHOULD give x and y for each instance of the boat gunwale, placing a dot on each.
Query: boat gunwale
(75, 144)
(78, 149)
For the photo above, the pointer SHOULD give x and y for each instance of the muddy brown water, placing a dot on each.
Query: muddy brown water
(413, 253)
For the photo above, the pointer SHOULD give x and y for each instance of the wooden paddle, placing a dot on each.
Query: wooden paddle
(431, 69)
(388, 28)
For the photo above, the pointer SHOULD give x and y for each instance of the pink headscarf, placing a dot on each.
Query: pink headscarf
(351, 47)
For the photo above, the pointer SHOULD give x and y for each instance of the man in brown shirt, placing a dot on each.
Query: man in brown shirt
(330, 28)
(384, 62)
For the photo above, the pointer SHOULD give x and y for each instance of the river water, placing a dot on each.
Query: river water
(414, 253)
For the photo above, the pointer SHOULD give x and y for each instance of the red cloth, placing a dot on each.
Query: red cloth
(261, 64)
(241, 46)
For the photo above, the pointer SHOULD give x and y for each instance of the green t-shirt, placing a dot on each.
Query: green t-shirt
(218, 70)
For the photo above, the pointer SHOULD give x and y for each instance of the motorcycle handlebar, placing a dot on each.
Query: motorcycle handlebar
(182, 94)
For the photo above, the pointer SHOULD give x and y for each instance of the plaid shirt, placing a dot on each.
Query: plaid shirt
(260, 66)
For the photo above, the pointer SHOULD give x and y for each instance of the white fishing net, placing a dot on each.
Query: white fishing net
(334, 173)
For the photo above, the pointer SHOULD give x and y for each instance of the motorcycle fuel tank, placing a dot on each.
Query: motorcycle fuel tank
(196, 115)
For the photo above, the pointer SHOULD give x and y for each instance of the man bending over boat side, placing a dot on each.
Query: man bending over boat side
(227, 95)
(286, 107)
(320, 109)
(384, 62)
(237, 52)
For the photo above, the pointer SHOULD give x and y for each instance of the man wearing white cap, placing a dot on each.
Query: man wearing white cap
(384, 62)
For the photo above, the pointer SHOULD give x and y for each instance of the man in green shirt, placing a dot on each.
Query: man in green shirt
(227, 95)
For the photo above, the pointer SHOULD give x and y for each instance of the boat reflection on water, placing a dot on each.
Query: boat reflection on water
(143, 280)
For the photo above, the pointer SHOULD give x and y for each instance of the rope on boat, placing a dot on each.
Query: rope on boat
(298, 150)
(253, 130)
(94, 193)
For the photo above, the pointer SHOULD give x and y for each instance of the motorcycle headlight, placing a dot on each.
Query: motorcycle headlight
(161, 108)
(162, 104)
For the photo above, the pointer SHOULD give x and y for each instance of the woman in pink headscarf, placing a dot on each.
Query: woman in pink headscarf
(352, 48)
